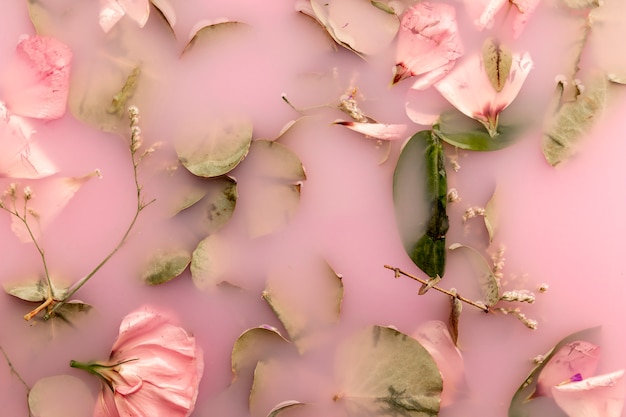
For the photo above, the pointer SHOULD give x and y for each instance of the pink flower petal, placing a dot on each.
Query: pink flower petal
(468, 89)
(18, 157)
(427, 41)
(579, 357)
(138, 10)
(525, 9)
(36, 81)
(514, 13)
(599, 396)
(482, 12)
(376, 130)
(435, 338)
(110, 13)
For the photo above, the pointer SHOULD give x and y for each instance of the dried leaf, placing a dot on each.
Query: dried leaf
(210, 148)
(284, 406)
(254, 345)
(380, 131)
(422, 158)
(60, 396)
(165, 266)
(572, 121)
(581, 4)
(384, 372)
(456, 307)
(491, 217)
(35, 291)
(489, 284)
(497, 62)
(218, 205)
(210, 262)
(208, 32)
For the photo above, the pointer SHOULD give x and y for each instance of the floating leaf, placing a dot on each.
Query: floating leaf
(465, 133)
(303, 309)
(385, 372)
(572, 121)
(219, 203)
(489, 284)
(209, 31)
(254, 345)
(284, 406)
(36, 291)
(209, 262)
(519, 406)
(60, 396)
(497, 62)
(165, 266)
(211, 148)
(354, 24)
(273, 186)
(422, 157)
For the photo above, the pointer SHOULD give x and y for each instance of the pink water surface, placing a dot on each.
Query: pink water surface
(563, 226)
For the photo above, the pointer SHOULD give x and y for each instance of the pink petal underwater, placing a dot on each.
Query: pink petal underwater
(36, 81)
(599, 396)
(110, 13)
(137, 10)
(376, 130)
(428, 41)
(18, 157)
(435, 338)
(516, 13)
(468, 88)
(579, 357)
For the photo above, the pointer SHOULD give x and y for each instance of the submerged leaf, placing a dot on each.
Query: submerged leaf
(165, 266)
(214, 147)
(491, 217)
(380, 131)
(384, 372)
(519, 406)
(254, 345)
(165, 9)
(469, 134)
(497, 62)
(60, 396)
(284, 406)
(489, 284)
(305, 310)
(218, 205)
(208, 31)
(209, 262)
(572, 121)
(36, 291)
(429, 252)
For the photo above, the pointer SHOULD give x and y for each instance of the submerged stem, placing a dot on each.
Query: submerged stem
(452, 294)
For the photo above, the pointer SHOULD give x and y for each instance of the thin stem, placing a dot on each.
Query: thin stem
(13, 371)
(453, 294)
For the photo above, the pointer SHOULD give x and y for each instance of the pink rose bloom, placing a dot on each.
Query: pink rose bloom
(36, 82)
(153, 371)
(428, 43)
(468, 89)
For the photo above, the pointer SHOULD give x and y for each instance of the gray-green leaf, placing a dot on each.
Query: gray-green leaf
(165, 266)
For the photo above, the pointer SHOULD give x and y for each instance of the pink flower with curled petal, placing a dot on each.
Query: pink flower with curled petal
(468, 89)
(154, 369)
(428, 43)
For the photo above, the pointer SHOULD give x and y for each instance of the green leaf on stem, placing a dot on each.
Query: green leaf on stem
(36, 291)
(520, 403)
(424, 215)
(382, 371)
(165, 266)
(573, 120)
(210, 148)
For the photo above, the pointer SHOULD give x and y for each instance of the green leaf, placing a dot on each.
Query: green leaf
(383, 372)
(60, 396)
(520, 403)
(207, 33)
(218, 205)
(459, 130)
(308, 305)
(497, 62)
(573, 120)
(210, 148)
(165, 266)
(422, 159)
(254, 345)
(383, 6)
(489, 284)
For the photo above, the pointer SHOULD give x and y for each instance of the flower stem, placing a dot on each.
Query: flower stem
(453, 294)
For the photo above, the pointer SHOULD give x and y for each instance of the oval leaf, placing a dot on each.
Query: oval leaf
(213, 148)
(60, 396)
(489, 284)
(497, 62)
(254, 345)
(165, 266)
(210, 262)
(209, 32)
(465, 133)
(284, 406)
(385, 372)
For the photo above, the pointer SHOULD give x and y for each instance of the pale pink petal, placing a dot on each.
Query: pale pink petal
(575, 358)
(138, 10)
(165, 6)
(427, 40)
(36, 81)
(599, 396)
(49, 197)
(482, 12)
(425, 108)
(105, 407)
(110, 13)
(468, 88)
(376, 130)
(435, 338)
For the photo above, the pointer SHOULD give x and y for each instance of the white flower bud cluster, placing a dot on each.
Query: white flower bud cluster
(522, 296)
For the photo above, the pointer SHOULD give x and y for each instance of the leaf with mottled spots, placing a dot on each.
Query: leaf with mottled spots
(582, 4)
(383, 372)
(210, 148)
(497, 61)
(572, 121)
(165, 266)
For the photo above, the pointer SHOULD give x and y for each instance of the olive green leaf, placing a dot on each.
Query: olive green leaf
(208, 33)
(209, 262)
(383, 372)
(459, 130)
(497, 62)
(166, 265)
(254, 345)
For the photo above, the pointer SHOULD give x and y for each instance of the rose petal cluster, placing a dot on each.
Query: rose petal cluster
(154, 369)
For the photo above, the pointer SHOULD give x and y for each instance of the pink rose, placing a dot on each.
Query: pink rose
(154, 369)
